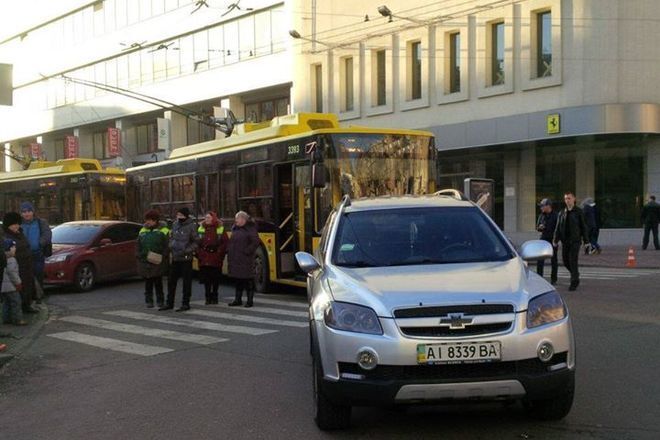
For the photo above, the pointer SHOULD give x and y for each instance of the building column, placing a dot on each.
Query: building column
(527, 189)
(85, 142)
(178, 129)
(511, 192)
(585, 174)
(653, 169)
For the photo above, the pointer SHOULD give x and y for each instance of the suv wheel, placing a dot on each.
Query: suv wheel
(328, 415)
(551, 409)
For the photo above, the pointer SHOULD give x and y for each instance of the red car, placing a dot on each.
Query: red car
(86, 252)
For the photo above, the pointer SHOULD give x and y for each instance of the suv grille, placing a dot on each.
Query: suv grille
(447, 331)
(473, 309)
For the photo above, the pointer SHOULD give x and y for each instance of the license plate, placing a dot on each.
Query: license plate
(458, 352)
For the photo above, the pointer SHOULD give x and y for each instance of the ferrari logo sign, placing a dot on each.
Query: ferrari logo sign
(552, 122)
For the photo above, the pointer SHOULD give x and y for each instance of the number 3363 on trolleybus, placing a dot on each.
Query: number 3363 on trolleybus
(287, 174)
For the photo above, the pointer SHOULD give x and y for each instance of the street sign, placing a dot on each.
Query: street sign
(114, 142)
(481, 192)
(553, 123)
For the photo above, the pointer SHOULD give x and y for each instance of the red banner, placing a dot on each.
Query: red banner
(35, 150)
(114, 142)
(71, 147)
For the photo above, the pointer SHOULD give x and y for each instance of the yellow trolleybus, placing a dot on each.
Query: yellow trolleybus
(66, 190)
(287, 174)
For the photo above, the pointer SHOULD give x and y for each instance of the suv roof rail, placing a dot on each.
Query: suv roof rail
(450, 192)
(346, 200)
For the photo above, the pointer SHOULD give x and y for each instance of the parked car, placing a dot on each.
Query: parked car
(423, 299)
(85, 252)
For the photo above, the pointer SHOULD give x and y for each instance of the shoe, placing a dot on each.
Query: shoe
(21, 322)
(235, 303)
(167, 307)
(183, 308)
(207, 302)
(150, 305)
(159, 305)
(553, 282)
(248, 305)
(31, 311)
(572, 287)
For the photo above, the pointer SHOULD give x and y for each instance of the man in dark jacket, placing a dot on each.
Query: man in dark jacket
(592, 217)
(11, 224)
(183, 244)
(37, 231)
(241, 254)
(650, 219)
(571, 231)
(546, 225)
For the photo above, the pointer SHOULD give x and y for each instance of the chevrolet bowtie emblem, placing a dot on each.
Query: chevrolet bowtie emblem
(456, 321)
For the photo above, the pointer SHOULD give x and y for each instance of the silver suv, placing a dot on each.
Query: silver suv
(423, 299)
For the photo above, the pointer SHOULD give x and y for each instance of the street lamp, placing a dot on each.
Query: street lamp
(296, 35)
(386, 12)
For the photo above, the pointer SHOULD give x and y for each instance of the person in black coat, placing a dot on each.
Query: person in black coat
(241, 253)
(650, 219)
(592, 217)
(546, 225)
(11, 225)
(571, 231)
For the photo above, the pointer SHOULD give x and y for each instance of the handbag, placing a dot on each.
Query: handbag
(154, 258)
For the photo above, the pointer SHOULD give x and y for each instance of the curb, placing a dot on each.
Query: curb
(23, 341)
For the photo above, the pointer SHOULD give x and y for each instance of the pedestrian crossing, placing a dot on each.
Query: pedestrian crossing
(200, 326)
(603, 273)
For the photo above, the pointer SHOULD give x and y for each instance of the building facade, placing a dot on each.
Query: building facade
(126, 81)
(543, 96)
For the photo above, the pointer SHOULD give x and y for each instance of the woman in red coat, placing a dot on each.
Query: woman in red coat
(212, 240)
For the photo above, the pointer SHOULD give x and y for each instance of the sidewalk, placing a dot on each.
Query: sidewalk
(617, 256)
(18, 338)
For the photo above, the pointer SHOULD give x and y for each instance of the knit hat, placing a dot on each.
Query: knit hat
(27, 206)
(185, 211)
(545, 202)
(11, 218)
(7, 244)
(152, 215)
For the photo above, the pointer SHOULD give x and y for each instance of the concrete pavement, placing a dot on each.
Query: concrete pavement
(18, 338)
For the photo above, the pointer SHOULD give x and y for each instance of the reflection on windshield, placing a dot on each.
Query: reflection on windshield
(384, 164)
(74, 234)
(397, 237)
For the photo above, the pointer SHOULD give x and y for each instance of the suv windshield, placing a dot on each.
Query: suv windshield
(74, 233)
(411, 236)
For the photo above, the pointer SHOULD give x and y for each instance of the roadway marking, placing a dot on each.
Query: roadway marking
(111, 344)
(206, 325)
(270, 310)
(260, 300)
(256, 319)
(145, 331)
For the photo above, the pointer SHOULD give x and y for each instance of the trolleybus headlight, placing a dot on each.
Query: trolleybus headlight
(545, 309)
(352, 318)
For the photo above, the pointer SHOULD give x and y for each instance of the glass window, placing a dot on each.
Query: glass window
(212, 194)
(348, 84)
(133, 11)
(279, 31)
(75, 234)
(318, 88)
(99, 19)
(216, 47)
(100, 145)
(455, 62)
(160, 191)
(263, 38)
(121, 12)
(78, 24)
(256, 180)
(99, 77)
(173, 63)
(201, 44)
(555, 172)
(544, 44)
(231, 42)
(122, 71)
(111, 72)
(381, 74)
(134, 69)
(415, 80)
(258, 208)
(183, 189)
(246, 37)
(186, 54)
(497, 53)
(160, 64)
(157, 7)
(228, 193)
(145, 9)
(399, 237)
(171, 4)
(109, 12)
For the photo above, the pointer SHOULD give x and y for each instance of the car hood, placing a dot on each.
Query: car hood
(387, 288)
(62, 248)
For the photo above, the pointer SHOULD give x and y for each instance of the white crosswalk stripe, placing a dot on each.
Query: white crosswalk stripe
(111, 344)
(269, 310)
(604, 273)
(276, 302)
(249, 318)
(206, 325)
(146, 331)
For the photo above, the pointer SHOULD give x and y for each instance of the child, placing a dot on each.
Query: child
(11, 286)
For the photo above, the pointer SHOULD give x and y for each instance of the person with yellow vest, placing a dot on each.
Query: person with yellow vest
(212, 247)
(152, 255)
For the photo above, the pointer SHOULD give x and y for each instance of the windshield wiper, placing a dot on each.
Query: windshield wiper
(415, 262)
(356, 264)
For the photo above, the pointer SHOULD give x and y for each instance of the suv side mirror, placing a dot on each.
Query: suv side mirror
(307, 262)
(534, 250)
(105, 242)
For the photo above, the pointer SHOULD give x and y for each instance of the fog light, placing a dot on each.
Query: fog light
(546, 351)
(367, 359)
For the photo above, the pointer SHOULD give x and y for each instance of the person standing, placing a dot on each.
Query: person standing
(152, 255)
(546, 225)
(11, 286)
(11, 224)
(210, 255)
(592, 217)
(571, 231)
(183, 243)
(650, 219)
(37, 231)
(242, 250)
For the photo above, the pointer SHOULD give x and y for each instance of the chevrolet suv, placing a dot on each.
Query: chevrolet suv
(422, 300)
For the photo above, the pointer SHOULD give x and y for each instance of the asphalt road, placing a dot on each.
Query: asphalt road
(206, 375)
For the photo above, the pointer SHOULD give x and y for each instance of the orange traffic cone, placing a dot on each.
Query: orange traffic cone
(632, 262)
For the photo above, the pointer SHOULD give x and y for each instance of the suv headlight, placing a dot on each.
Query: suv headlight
(58, 258)
(545, 309)
(352, 318)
